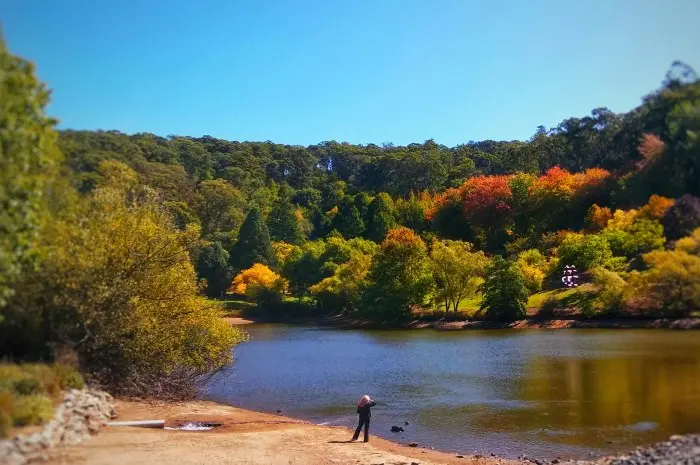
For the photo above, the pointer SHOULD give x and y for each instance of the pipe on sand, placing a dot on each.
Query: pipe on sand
(139, 423)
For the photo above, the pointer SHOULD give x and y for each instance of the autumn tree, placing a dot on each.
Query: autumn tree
(253, 244)
(458, 271)
(399, 278)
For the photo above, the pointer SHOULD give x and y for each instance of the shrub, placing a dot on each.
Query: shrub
(610, 290)
(69, 377)
(32, 410)
(46, 377)
(682, 218)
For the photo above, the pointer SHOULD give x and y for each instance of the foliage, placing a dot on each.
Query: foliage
(610, 289)
(283, 223)
(212, 265)
(458, 271)
(33, 409)
(682, 218)
(534, 267)
(380, 217)
(130, 308)
(671, 285)
(28, 157)
(584, 251)
(220, 206)
(598, 217)
(690, 244)
(505, 294)
(27, 392)
(341, 292)
(284, 252)
(348, 220)
(253, 280)
(399, 277)
(253, 244)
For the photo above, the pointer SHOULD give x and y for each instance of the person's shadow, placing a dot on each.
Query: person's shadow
(343, 442)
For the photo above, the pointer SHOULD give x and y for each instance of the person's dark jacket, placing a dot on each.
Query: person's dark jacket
(365, 411)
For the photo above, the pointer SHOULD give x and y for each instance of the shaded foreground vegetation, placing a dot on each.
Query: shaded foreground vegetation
(115, 248)
(28, 392)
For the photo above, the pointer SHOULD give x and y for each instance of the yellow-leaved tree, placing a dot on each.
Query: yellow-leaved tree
(117, 286)
(259, 283)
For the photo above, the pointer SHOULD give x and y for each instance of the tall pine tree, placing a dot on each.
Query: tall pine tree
(253, 244)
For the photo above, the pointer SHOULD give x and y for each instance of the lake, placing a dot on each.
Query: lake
(543, 393)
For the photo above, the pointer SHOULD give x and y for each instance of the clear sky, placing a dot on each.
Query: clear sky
(302, 72)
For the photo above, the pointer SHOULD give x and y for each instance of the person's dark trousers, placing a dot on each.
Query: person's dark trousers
(364, 421)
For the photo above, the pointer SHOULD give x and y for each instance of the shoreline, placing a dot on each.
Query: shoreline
(249, 437)
(243, 437)
(444, 325)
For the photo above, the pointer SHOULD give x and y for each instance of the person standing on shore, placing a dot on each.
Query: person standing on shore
(363, 409)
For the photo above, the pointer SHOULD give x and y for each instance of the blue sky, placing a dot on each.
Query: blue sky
(361, 71)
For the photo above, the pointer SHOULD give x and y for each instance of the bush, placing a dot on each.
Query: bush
(69, 377)
(610, 290)
(6, 407)
(32, 410)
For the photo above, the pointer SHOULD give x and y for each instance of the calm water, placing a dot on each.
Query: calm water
(543, 393)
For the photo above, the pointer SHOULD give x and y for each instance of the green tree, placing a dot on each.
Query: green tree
(253, 245)
(283, 223)
(28, 156)
(213, 266)
(380, 218)
(458, 271)
(399, 278)
(348, 220)
(220, 207)
(584, 251)
(505, 294)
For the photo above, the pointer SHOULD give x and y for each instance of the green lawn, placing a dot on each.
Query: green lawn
(470, 306)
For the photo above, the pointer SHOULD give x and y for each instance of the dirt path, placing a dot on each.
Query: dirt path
(245, 437)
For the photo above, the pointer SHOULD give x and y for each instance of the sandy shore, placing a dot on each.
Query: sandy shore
(245, 437)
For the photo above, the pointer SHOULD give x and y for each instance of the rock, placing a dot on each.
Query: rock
(406, 423)
(413, 444)
(396, 429)
(415, 463)
(459, 456)
(555, 461)
(279, 410)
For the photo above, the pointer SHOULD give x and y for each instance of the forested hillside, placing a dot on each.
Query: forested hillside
(288, 207)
